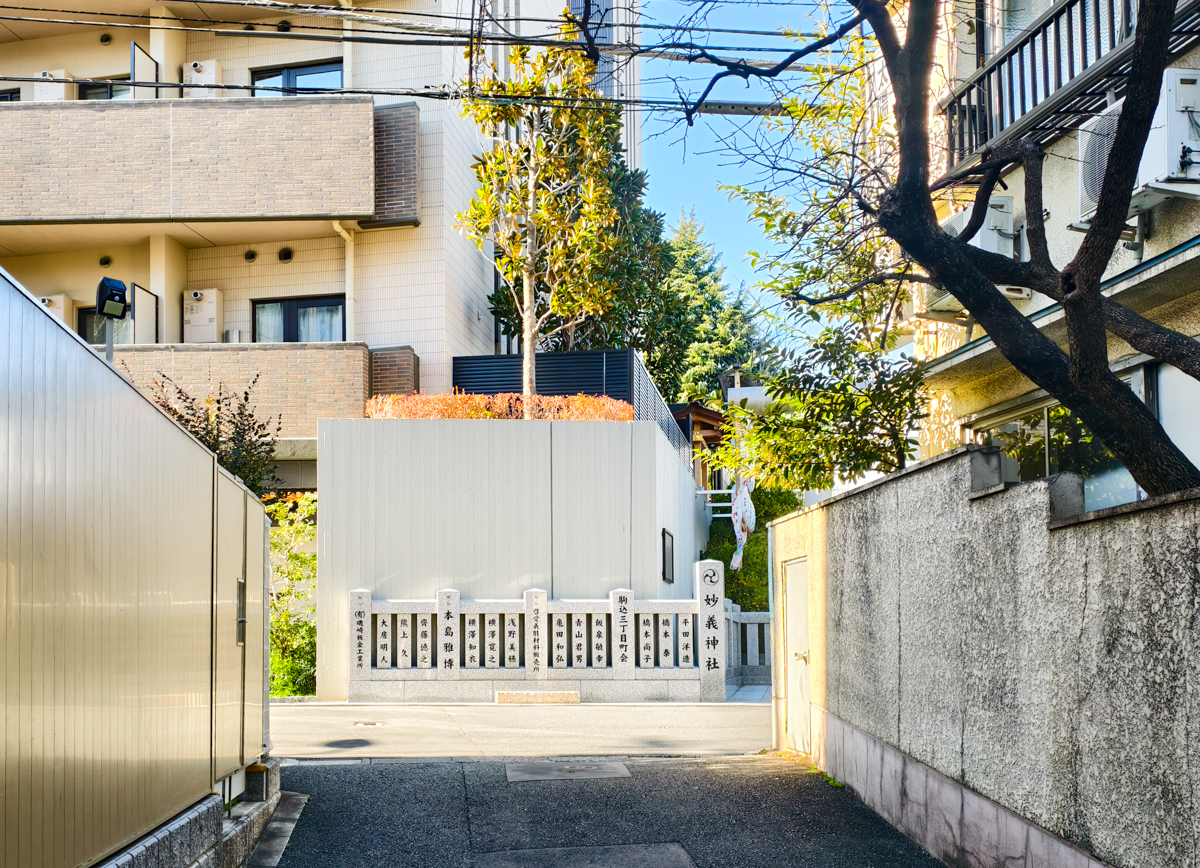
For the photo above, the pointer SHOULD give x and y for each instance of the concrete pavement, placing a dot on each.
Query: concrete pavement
(338, 730)
(718, 812)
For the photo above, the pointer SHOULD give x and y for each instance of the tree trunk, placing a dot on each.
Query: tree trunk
(529, 339)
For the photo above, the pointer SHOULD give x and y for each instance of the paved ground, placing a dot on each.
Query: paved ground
(657, 729)
(740, 812)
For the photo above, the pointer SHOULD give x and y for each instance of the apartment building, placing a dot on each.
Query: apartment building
(1056, 72)
(309, 238)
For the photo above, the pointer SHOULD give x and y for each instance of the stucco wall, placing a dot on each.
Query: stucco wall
(1053, 671)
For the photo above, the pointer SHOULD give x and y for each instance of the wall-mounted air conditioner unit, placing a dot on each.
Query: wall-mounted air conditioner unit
(996, 235)
(53, 91)
(203, 316)
(1171, 162)
(202, 72)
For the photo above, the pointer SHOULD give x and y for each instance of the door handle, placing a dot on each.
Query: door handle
(803, 656)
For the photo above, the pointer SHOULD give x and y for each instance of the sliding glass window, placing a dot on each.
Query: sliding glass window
(313, 78)
(314, 319)
(115, 88)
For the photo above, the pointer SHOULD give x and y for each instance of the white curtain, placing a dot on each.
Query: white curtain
(268, 323)
(319, 323)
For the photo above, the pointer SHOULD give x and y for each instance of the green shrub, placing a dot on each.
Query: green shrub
(747, 587)
(293, 581)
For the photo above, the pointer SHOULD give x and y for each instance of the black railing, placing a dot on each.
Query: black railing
(1057, 75)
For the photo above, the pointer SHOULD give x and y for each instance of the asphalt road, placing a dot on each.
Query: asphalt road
(312, 730)
(740, 812)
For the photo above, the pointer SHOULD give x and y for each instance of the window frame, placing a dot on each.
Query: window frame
(668, 557)
(108, 83)
(289, 76)
(292, 304)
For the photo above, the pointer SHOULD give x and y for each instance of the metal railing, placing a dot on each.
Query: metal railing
(648, 404)
(1057, 75)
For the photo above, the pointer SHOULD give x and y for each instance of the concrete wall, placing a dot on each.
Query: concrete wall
(1047, 670)
(195, 159)
(300, 382)
(493, 509)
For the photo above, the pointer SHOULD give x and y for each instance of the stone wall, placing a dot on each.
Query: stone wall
(302, 382)
(1045, 662)
(193, 159)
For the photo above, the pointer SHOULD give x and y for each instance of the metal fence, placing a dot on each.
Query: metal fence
(127, 695)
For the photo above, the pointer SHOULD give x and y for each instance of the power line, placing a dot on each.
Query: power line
(723, 107)
(449, 38)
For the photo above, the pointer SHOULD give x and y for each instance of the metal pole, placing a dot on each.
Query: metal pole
(108, 338)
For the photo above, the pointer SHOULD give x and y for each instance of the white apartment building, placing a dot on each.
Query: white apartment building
(257, 218)
(1056, 71)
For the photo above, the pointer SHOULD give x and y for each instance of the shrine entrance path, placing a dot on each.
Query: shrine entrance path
(762, 811)
(338, 730)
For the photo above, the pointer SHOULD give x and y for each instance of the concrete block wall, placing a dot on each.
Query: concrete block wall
(301, 382)
(1046, 666)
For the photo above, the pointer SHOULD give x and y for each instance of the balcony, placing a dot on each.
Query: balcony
(1057, 75)
(179, 160)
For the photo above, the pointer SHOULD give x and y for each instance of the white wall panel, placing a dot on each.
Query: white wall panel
(591, 478)
(492, 509)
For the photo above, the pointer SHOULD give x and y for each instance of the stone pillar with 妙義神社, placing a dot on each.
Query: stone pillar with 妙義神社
(710, 629)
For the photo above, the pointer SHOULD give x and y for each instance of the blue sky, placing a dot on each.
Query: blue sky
(686, 167)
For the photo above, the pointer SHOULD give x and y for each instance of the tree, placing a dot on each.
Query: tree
(893, 187)
(546, 197)
(641, 313)
(293, 580)
(226, 423)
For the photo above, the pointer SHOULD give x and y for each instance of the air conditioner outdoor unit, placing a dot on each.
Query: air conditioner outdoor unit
(203, 316)
(996, 235)
(1167, 168)
(202, 72)
(53, 91)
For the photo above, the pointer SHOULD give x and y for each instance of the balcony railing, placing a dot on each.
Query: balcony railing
(1055, 77)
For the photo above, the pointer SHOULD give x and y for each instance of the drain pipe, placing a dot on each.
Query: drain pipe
(349, 236)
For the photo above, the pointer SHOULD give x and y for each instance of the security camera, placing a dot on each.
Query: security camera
(197, 295)
(45, 300)
(197, 66)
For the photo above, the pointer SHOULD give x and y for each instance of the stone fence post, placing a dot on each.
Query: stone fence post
(710, 629)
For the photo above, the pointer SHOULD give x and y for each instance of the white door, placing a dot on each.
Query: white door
(795, 623)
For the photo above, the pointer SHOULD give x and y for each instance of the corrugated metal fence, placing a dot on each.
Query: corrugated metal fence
(126, 692)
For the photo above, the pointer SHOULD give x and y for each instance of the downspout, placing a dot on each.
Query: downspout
(348, 235)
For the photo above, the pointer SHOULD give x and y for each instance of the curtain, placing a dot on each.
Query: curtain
(268, 323)
(319, 323)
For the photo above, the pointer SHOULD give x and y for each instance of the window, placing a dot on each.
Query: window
(10, 95)
(668, 557)
(115, 88)
(91, 327)
(299, 79)
(304, 320)
(1053, 440)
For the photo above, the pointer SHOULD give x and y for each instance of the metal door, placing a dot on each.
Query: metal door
(795, 622)
(228, 655)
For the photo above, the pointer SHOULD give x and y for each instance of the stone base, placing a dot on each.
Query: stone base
(610, 690)
(529, 697)
(202, 836)
(953, 823)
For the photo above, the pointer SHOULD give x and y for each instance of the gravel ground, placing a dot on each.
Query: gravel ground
(740, 812)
